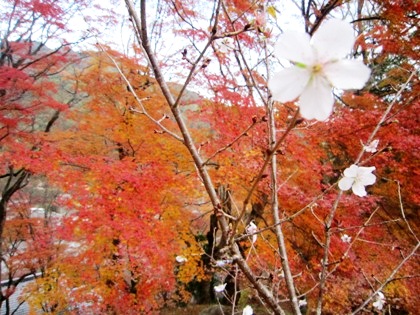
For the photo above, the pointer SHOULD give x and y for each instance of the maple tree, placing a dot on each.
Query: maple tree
(231, 195)
(129, 222)
(33, 55)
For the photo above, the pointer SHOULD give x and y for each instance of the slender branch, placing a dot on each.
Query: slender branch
(275, 212)
(327, 244)
(137, 26)
(328, 222)
(267, 161)
(385, 115)
(389, 279)
(139, 100)
(199, 58)
(241, 135)
(403, 213)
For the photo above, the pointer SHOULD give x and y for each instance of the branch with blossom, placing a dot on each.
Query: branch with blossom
(356, 178)
(319, 65)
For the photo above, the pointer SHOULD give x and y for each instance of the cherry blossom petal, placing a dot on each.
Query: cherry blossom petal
(380, 301)
(345, 183)
(333, 40)
(254, 238)
(351, 171)
(366, 176)
(317, 100)
(345, 238)
(372, 147)
(181, 259)
(359, 189)
(347, 74)
(251, 228)
(302, 302)
(295, 46)
(220, 288)
(379, 304)
(288, 84)
(369, 169)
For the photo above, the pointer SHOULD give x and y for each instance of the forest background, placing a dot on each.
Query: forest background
(162, 173)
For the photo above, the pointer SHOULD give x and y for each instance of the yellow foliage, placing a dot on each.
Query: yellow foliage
(192, 269)
(47, 293)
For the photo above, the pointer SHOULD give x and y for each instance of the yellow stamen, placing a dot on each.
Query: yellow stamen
(317, 68)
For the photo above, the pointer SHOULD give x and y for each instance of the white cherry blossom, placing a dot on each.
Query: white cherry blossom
(318, 66)
(380, 301)
(356, 178)
(181, 259)
(251, 229)
(219, 288)
(371, 147)
(302, 302)
(345, 238)
(248, 310)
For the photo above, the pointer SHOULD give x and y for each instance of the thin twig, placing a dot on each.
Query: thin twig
(139, 100)
(384, 116)
(403, 213)
(389, 279)
(227, 146)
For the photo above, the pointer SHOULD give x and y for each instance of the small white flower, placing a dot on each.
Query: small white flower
(248, 310)
(318, 66)
(302, 302)
(219, 288)
(380, 301)
(226, 45)
(251, 229)
(345, 238)
(356, 178)
(371, 147)
(181, 259)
